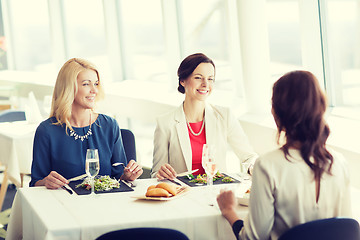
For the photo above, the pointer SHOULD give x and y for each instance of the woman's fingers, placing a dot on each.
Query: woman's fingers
(54, 180)
(159, 176)
(133, 170)
(166, 171)
(59, 177)
(137, 173)
(133, 167)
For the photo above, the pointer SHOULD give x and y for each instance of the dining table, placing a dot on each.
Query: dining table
(16, 146)
(40, 213)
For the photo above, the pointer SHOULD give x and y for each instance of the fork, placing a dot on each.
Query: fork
(117, 164)
(181, 189)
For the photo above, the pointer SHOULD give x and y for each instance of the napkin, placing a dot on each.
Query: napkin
(32, 110)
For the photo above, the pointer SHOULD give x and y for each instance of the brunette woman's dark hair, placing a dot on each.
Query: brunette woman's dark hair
(299, 106)
(188, 65)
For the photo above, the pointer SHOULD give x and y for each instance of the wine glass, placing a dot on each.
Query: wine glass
(92, 166)
(244, 170)
(209, 163)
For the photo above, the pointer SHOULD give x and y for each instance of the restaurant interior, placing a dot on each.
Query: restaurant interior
(137, 46)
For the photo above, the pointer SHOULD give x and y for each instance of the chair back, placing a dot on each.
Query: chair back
(325, 229)
(144, 233)
(128, 140)
(12, 116)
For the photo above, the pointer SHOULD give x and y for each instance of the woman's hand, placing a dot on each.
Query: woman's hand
(132, 171)
(52, 181)
(227, 203)
(166, 172)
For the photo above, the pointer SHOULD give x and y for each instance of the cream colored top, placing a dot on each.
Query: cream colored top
(172, 142)
(283, 195)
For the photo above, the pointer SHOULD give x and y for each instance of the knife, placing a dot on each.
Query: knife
(176, 181)
(186, 173)
(77, 178)
(67, 189)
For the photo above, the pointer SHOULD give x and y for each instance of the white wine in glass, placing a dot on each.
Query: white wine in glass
(209, 163)
(92, 166)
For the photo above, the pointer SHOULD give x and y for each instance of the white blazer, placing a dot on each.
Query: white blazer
(172, 142)
(283, 194)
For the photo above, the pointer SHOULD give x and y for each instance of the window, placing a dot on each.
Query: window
(29, 38)
(204, 30)
(341, 24)
(143, 38)
(284, 37)
(85, 31)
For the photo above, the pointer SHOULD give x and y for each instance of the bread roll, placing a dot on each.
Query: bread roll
(168, 187)
(157, 192)
(151, 187)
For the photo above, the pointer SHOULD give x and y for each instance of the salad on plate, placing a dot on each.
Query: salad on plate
(101, 183)
(201, 179)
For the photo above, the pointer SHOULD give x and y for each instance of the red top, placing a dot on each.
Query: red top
(197, 143)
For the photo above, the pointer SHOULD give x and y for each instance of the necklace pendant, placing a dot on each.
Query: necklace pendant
(83, 137)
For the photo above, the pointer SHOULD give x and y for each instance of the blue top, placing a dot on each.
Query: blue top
(54, 150)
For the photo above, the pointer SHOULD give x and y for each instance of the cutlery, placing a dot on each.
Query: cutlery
(117, 164)
(67, 189)
(131, 184)
(126, 183)
(175, 181)
(182, 189)
(78, 177)
(186, 173)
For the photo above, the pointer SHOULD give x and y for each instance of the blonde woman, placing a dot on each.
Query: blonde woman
(61, 141)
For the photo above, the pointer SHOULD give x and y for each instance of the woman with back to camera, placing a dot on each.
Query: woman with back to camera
(61, 141)
(303, 180)
(180, 134)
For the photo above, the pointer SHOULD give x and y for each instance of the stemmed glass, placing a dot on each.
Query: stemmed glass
(209, 163)
(92, 166)
(244, 170)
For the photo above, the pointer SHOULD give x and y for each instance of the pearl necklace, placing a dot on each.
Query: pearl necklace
(201, 129)
(83, 137)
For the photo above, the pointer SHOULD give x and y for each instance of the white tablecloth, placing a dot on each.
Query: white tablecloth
(16, 144)
(39, 213)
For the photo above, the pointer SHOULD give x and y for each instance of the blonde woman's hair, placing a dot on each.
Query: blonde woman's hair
(66, 88)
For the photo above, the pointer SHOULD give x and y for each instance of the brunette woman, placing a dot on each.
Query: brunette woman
(180, 134)
(301, 181)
